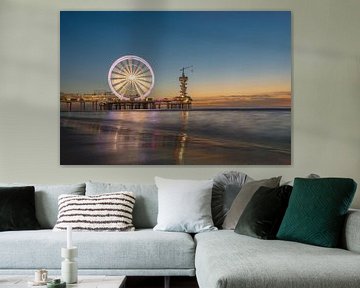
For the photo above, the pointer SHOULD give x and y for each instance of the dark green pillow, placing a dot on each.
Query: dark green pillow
(264, 212)
(316, 211)
(17, 208)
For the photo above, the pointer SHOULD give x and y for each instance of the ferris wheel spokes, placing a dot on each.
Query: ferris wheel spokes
(131, 77)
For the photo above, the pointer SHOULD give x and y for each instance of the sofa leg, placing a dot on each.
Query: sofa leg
(167, 282)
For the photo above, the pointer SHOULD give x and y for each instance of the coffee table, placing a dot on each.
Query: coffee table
(84, 281)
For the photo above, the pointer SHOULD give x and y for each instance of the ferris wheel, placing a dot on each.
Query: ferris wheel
(131, 77)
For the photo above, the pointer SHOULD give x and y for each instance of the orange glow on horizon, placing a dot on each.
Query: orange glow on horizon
(262, 95)
(274, 99)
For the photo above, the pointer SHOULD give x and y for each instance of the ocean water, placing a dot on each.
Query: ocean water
(218, 137)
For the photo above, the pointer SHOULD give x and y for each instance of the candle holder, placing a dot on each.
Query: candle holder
(69, 271)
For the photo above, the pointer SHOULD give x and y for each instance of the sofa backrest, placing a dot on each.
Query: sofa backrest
(146, 203)
(46, 200)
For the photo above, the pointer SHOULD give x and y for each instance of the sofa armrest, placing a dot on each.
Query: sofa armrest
(351, 234)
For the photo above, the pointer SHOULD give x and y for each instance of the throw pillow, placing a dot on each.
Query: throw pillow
(243, 198)
(226, 187)
(17, 208)
(317, 209)
(106, 212)
(184, 205)
(263, 215)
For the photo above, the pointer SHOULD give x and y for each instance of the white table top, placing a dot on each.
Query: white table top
(84, 281)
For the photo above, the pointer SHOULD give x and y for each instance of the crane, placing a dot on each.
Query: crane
(184, 68)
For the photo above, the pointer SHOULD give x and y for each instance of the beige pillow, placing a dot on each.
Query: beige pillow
(243, 198)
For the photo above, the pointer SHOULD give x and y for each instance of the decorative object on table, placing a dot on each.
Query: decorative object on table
(235, 110)
(69, 269)
(40, 279)
(41, 275)
(56, 283)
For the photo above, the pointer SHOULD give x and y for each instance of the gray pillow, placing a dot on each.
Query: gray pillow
(243, 198)
(226, 187)
(46, 200)
(184, 205)
(146, 204)
(310, 176)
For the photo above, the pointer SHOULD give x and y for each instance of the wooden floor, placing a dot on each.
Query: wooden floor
(158, 282)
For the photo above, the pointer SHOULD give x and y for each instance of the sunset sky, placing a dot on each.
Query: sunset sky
(239, 58)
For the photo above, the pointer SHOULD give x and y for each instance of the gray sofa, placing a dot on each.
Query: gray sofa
(218, 259)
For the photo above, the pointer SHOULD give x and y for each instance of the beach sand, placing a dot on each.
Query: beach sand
(108, 140)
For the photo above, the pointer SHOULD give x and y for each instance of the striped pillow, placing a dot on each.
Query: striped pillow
(105, 212)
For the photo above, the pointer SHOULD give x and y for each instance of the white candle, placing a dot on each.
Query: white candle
(69, 237)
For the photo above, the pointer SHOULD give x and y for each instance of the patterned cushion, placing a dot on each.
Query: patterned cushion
(106, 212)
(316, 211)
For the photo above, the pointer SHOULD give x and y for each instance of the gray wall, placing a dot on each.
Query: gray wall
(326, 91)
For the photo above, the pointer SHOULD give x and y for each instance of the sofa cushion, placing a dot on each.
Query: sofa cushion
(184, 205)
(146, 205)
(225, 259)
(143, 249)
(17, 208)
(46, 200)
(243, 198)
(225, 189)
(317, 209)
(105, 212)
(263, 215)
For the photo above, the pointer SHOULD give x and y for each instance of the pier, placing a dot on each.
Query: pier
(101, 103)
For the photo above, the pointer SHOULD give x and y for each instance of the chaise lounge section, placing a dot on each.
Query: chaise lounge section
(225, 259)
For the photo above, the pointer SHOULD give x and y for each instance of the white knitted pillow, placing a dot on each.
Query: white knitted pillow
(105, 212)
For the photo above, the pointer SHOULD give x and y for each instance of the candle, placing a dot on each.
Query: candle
(69, 237)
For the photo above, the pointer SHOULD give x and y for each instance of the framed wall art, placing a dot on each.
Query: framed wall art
(175, 87)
